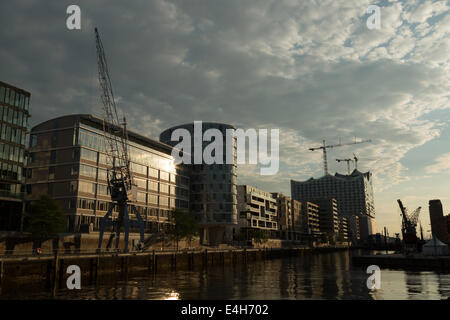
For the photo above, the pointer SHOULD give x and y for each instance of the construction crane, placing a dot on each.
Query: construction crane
(324, 148)
(120, 181)
(356, 159)
(409, 224)
(348, 163)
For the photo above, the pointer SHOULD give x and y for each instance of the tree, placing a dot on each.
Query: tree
(259, 236)
(46, 218)
(184, 225)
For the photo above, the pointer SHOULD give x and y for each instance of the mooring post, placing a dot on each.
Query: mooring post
(96, 268)
(154, 262)
(55, 274)
(1, 273)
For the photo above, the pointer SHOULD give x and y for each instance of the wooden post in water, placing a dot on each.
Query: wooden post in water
(55, 274)
(1, 274)
(96, 268)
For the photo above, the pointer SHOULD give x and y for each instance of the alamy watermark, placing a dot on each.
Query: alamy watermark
(374, 280)
(74, 280)
(374, 21)
(73, 22)
(213, 153)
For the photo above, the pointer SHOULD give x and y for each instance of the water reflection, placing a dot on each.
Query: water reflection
(320, 276)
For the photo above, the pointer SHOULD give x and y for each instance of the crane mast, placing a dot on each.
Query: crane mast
(324, 148)
(120, 182)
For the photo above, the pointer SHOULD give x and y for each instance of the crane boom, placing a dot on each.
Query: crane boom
(120, 182)
(324, 148)
(117, 147)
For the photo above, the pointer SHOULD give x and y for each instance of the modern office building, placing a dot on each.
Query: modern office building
(212, 186)
(343, 229)
(310, 221)
(14, 114)
(438, 222)
(257, 211)
(289, 219)
(354, 194)
(328, 217)
(69, 163)
(353, 229)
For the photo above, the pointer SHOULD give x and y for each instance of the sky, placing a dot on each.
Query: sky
(312, 69)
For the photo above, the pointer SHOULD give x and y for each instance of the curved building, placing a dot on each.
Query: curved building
(354, 194)
(212, 186)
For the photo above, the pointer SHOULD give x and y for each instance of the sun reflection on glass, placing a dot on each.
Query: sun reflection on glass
(172, 296)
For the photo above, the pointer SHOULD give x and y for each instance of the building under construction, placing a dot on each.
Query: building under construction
(354, 195)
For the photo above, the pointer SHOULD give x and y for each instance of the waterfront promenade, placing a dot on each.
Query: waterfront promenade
(50, 270)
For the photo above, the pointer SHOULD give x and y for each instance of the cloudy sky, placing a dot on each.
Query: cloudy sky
(312, 69)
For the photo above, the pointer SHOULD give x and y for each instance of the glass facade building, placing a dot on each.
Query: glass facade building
(14, 114)
(354, 195)
(68, 162)
(212, 187)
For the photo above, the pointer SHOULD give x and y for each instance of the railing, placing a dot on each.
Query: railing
(25, 254)
(9, 194)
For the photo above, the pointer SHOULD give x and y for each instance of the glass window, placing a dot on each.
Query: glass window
(164, 201)
(2, 94)
(10, 115)
(164, 175)
(12, 96)
(153, 199)
(88, 154)
(7, 95)
(153, 172)
(53, 156)
(86, 187)
(102, 189)
(27, 101)
(141, 196)
(102, 174)
(17, 103)
(164, 188)
(153, 185)
(88, 171)
(141, 183)
(8, 133)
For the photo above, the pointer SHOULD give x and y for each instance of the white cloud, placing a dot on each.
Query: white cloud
(440, 165)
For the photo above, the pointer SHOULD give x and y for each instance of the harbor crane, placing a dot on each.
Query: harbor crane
(324, 148)
(120, 180)
(409, 224)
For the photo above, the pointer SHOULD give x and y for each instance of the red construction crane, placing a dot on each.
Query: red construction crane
(324, 148)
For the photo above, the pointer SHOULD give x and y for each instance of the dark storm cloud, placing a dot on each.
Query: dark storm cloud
(310, 68)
